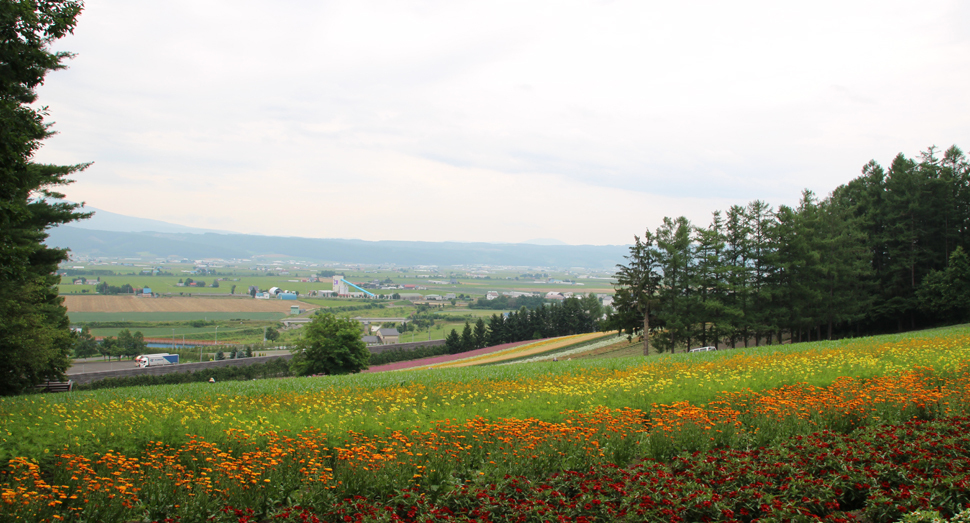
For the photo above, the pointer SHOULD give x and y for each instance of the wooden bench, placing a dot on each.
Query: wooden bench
(56, 386)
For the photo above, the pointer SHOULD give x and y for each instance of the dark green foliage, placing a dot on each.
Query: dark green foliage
(424, 351)
(504, 302)
(85, 345)
(35, 339)
(876, 255)
(637, 289)
(272, 334)
(467, 338)
(481, 334)
(330, 345)
(107, 289)
(275, 368)
(945, 294)
(109, 348)
(131, 345)
(453, 342)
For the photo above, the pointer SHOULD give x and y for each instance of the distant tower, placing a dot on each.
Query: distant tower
(340, 286)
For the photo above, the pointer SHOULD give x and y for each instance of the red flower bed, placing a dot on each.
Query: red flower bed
(873, 475)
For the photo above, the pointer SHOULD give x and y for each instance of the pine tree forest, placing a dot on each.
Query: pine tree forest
(882, 253)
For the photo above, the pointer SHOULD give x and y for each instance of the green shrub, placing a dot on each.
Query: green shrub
(275, 368)
(396, 355)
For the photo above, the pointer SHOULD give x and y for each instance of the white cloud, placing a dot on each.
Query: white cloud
(475, 120)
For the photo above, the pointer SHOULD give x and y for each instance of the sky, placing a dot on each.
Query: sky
(585, 122)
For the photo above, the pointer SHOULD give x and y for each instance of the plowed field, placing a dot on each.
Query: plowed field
(177, 304)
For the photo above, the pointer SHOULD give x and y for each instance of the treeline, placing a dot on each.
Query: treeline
(572, 316)
(275, 368)
(125, 344)
(86, 272)
(881, 253)
(392, 356)
(504, 302)
(352, 308)
(107, 289)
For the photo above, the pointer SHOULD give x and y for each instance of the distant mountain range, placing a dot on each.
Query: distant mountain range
(115, 235)
(109, 221)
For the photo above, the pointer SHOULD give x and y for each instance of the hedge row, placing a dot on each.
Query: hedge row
(275, 368)
(391, 356)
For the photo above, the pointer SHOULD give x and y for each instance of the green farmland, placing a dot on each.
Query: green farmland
(141, 317)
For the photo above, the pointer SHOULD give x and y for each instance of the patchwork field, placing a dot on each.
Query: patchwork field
(77, 317)
(176, 304)
(863, 430)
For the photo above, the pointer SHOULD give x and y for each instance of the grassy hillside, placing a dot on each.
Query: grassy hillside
(434, 434)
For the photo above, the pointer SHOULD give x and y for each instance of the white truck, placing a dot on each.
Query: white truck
(155, 360)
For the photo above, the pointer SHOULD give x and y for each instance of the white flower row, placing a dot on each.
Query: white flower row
(609, 340)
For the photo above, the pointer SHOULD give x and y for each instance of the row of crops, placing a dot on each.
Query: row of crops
(867, 430)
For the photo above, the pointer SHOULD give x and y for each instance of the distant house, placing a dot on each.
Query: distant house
(450, 296)
(435, 297)
(411, 296)
(388, 336)
(491, 295)
(554, 296)
(371, 340)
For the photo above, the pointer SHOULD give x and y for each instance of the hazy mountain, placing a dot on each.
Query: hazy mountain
(109, 221)
(545, 241)
(115, 235)
(151, 245)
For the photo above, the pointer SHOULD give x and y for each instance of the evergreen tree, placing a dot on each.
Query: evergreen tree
(467, 338)
(845, 264)
(523, 327)
(737, 271)
(541, 322)
(496, 330)
(481, 334)
(946, 294)
(35, 336)
(453, 342)
(717, 317)
(592, 313)
(760, 315)
(637, 286)
(676, 293)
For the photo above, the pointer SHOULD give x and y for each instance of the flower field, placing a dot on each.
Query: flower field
(865, 429)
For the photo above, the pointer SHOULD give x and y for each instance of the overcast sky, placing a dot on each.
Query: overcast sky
(586, 122)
